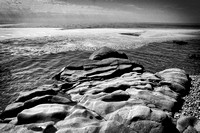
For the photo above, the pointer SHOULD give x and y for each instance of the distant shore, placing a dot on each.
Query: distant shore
(99, 25)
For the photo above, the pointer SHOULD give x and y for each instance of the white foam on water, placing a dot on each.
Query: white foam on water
(41, 32)
(87, 39)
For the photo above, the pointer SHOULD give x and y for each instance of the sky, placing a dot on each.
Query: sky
(134, 11)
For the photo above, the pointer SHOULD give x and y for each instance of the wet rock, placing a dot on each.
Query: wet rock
(106, 52)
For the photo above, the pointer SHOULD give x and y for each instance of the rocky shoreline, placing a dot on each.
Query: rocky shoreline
(105, 93)
(191, 106)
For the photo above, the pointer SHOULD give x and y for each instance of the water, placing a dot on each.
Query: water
(29, 57)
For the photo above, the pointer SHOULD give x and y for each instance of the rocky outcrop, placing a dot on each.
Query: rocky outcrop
(180, 42)
(112, 95)
(106, 52)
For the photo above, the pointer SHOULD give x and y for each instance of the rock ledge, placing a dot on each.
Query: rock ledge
(110, 94)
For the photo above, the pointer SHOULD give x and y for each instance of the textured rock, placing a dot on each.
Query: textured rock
(43, 90)
(104, 69)
(42, 113)
(112, 95)
(190, 129)
(197, 126)
(106, 52)
(188, 124)
(13, 109)
(177, 79)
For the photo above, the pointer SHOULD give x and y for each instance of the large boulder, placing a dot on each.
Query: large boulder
(106, 52)
(176, 78)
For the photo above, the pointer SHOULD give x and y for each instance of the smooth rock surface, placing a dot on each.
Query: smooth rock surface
(42, 113)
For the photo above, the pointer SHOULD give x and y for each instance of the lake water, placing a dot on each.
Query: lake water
(29, 57)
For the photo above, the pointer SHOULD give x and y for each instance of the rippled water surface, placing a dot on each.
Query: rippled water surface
(29, 57)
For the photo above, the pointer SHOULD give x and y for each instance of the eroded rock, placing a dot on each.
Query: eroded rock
(111, 95)
(104, 69)
(42, 113)
(43, 90)
(176, 79)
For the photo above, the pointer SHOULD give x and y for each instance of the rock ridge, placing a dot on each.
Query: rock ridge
(107, 95)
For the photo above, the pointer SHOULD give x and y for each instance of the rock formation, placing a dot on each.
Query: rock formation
(111, 95)
(106, 52)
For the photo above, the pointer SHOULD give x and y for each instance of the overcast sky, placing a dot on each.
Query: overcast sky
(185, 11)
(164, 11)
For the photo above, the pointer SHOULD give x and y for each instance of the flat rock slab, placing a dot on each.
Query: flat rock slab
(104, 69)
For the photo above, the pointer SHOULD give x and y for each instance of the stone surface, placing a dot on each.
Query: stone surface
(112, 95)
(106, 52)
(177, 79)
(188, 124)
(42, 113)
(43, 90)
(104, 69)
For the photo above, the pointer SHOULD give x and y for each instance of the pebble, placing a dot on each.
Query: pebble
(191, 105)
